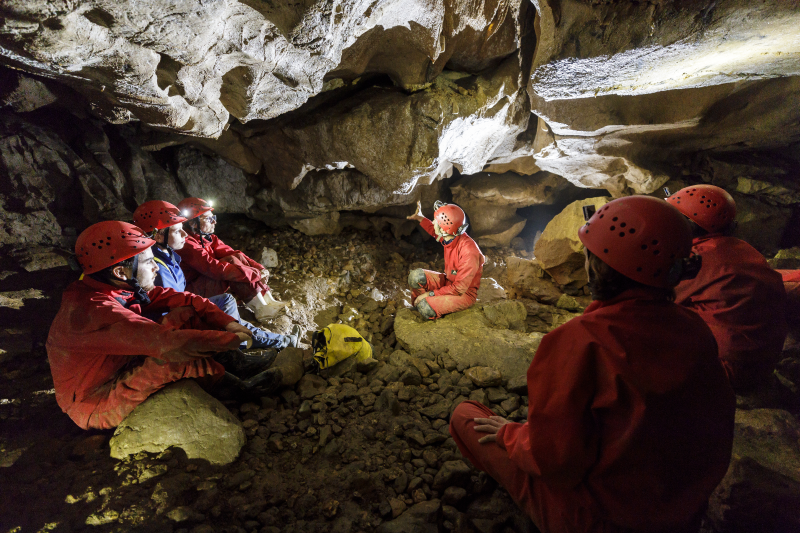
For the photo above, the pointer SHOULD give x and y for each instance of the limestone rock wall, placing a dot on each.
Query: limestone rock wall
(316, 112)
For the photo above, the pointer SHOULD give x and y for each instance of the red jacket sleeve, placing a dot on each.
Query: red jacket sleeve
(559, 442)
(427, 225)
(223, 250)
(107, 327)
(164, 299)
(197, 257)
(469, 264)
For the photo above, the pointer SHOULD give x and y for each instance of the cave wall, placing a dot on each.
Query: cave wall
(322, 113)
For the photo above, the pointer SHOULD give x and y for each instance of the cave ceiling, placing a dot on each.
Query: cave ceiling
(299, 111)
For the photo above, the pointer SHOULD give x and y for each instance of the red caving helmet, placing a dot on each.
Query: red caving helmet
(641, 237)
(194, 207)
(107, 243)
(450, 218)
(708, 206)
(155, 214)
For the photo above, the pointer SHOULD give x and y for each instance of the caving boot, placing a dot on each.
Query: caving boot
(245, 365)
(274, 305)
(265, 306)
(263, 384)
(294, 337)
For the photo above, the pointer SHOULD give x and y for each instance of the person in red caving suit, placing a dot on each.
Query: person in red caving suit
(630, 413)
(212, 267)
(439, 293)
(736, 292)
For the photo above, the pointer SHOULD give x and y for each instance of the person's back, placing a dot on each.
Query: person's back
(630, 414)
(656, 437)
(736, 292)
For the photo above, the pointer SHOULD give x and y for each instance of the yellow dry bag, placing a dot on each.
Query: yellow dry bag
(336, 342)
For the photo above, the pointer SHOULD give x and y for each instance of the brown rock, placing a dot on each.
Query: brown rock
(290, 361)
(484, 376)
(559, 250)
(310, 386)
(526, 278)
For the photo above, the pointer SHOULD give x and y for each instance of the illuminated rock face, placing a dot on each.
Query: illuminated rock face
(319, 107)
(628, 91)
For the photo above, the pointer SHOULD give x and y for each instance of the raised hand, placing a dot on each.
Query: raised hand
(418, 216)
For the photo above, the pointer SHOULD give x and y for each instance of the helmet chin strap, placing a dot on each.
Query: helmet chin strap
(140, 295)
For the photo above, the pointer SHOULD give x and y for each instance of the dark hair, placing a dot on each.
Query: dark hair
(606, 283)
(107, 274)
(163, 232)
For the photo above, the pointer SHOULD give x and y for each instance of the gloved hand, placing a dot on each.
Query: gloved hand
(241, 332)
(420, 298)
(418, 216)
(265, 275)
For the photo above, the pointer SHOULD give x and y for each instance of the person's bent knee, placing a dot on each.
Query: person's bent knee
(426, 310)
(417, 278)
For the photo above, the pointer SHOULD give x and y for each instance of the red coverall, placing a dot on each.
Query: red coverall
(791, 283)
(743, 302)
(207, 276)
(106, 359)
(630, 422)
(457, 288)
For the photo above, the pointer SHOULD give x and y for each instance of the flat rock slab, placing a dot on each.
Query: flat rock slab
(185, 416)
(470, 339)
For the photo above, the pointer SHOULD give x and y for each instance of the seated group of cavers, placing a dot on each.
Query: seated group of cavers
(630, 406)
(155, 305)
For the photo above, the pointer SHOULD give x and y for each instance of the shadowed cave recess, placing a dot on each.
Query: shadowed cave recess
(315, 127)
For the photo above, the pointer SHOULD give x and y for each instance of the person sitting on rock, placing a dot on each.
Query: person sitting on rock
(106, 357)
(630, 413)
(436, 294)
(736, 292)
(212, 267)
(164, 223)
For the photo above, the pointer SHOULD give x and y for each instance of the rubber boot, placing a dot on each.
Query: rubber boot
(259, 307)
(263, 384)
(274, 306)
(245, 365)
(265, 306)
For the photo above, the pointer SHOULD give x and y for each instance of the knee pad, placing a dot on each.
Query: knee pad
(417, 278)
(426, 310)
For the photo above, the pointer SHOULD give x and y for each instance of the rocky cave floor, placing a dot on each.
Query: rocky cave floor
(350, 459)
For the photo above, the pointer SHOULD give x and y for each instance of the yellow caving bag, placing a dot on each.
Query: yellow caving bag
(336, 342)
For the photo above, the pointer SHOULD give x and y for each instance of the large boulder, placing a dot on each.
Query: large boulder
(185, 416)
(525, 278)
(470, 338)
(397, 139)
(559, 250)
(761, 490)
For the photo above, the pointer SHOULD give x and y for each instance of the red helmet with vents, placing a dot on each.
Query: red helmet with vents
(641, 237)
(450, 218)
(107, 243)
(708, 206)
(194, 207)
(156, 214)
